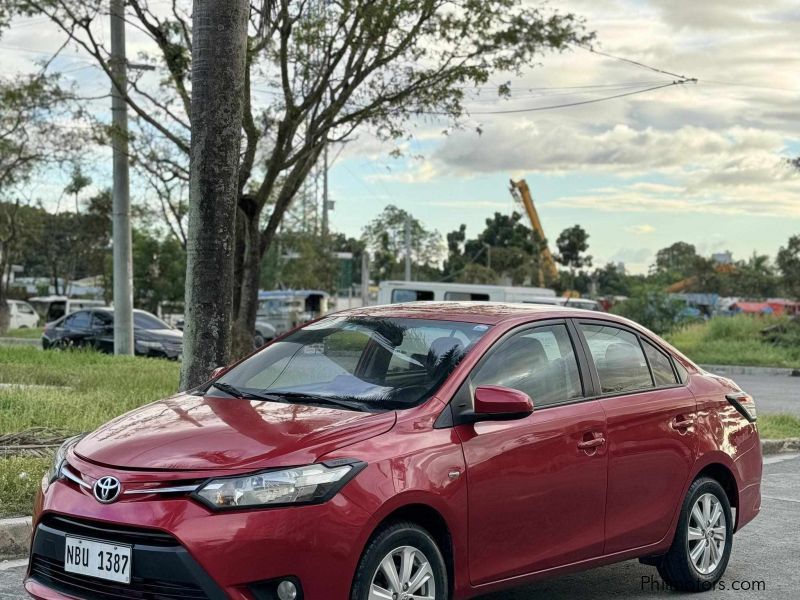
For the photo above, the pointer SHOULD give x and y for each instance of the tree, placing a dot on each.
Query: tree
(789, 265)
(385, 237)
(9, 232)
(572, 243)
(218, 76)
(328, 69)
(159, 270)
(611, 281)
(678, 261)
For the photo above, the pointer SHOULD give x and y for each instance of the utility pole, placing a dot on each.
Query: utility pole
(408, 247)
(123, 256)
(325, 195)
(365, 278)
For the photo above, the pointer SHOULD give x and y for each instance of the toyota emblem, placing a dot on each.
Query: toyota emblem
(107, 489)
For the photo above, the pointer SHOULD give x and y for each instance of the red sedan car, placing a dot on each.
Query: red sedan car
(408, 452)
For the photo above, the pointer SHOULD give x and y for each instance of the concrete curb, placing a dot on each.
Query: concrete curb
(15, 536)
(777, 446)
(726, 370)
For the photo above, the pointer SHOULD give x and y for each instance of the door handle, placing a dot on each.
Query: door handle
(682, 423)
(593, 443)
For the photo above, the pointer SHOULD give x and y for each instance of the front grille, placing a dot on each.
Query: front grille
(162, 568)
(119, 533)
(51, 573)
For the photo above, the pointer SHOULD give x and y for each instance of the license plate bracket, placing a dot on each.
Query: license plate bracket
(98, 558)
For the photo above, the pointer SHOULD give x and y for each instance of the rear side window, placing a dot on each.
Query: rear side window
(411, 295)
(660, 364)
(540, 362)
(618, 357)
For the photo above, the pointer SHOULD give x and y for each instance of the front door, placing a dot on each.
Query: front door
(537, 485)
(651, 435)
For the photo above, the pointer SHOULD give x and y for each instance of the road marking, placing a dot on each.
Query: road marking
(13, 564)
(771, 460)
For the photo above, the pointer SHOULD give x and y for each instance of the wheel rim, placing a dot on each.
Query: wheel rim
(707, 534)
(403, 574)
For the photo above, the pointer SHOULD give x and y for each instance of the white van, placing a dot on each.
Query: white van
(22, 315)
(392, 292)
(52, 308)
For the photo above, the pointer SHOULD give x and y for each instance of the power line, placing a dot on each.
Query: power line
(633, 62)
(567, 104)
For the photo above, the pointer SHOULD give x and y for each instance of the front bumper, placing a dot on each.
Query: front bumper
(182, 550)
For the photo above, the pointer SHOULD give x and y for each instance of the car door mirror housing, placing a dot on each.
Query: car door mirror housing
(498, 403)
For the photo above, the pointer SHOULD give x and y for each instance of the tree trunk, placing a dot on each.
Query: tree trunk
(218, 63)
(244, 327)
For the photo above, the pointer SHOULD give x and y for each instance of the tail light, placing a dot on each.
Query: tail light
(745, 404)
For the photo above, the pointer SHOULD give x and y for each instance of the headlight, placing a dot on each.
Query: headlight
(150, 345)
(60, 458)
(300, 485)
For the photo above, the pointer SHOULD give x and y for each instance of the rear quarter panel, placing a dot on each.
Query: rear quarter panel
(726, 437)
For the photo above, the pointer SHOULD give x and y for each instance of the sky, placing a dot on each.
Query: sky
(700, 162)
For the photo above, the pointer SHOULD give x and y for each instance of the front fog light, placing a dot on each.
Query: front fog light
(287, 590)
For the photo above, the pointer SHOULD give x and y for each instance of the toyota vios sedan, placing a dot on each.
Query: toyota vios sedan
(408, 452)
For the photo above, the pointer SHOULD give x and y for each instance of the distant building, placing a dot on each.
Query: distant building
(722, 258)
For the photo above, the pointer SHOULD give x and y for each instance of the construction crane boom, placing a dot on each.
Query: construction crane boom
(522, 193)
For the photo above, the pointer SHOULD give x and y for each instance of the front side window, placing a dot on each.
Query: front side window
(618, 357)
(143, 320)
(367, 363)
(540, 362)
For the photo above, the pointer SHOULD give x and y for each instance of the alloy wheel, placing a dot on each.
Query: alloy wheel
(707, 534)
(403, 574)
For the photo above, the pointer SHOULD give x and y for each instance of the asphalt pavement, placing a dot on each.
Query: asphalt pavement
(773, 393)
(764, 563)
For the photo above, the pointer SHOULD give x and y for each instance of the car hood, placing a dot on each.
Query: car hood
(198, 433)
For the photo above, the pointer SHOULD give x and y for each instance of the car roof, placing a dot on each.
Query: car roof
(489, 313)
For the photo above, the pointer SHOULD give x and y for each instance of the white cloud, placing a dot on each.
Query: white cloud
(642, 229)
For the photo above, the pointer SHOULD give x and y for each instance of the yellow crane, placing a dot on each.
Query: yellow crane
(547, 266)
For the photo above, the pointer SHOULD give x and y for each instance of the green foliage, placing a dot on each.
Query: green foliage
(650, 307)
(789, 264)
(385, 237)
(735, 340)
(572, 244)
(159, 270)
(505, 249)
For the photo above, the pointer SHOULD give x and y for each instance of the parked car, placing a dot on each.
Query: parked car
(52, 308)
(21, 315)
(430, 450)
(94, 328)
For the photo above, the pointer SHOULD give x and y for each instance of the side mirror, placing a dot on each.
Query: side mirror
(218, 372)
(498, 403)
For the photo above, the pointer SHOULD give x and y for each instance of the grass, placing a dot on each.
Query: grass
(29, 333)
(84, 389)
(735, 341)
(776, 427)
(20, 477)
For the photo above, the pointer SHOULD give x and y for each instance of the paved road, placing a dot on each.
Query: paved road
(764, 557)
(773, 393)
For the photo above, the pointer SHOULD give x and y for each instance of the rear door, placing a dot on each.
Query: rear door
(652, 441)
(536, 487)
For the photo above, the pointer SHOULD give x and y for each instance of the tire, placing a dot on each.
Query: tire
(401, 541)
(684, 566)
(258, 340)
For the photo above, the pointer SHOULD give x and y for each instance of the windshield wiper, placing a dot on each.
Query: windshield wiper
(228, 389)
(314, 399)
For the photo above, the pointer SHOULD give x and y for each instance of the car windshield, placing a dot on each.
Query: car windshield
(362, 363)
(143, 320)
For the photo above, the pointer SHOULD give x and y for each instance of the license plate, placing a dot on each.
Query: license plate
(98, 559)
